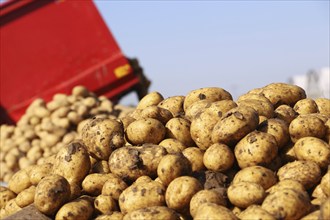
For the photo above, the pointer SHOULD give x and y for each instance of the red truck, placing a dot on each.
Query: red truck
(50, 46)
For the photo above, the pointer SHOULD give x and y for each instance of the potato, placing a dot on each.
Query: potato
(211, 94)
(196, 108)
(218, 157)
(306, 126)
(180, 191)
(287, 153)
(307, 173)
(11, 207)
(313, 149)
(75, 191)
(105, 204)
(174, 104)
(142, 193)
(129, 163)
(244, 194)
(179, 128)
(287, 183)
(26, 197)
(278, 128)
(113, 187)
(287, 204)
(256, 174)
(161, 114)
(195, 157)
(323, 105)
(19, 181)
(172, 166)
(234, 125)
(202, 125)
(205, 196)
(93, 183)
(153, 98)
(172, 145)
(5, 195)
(102, 136)
(306, 106)
(151, 213)
(285, 113)
(214, 211)
(51, 193)
(255, 212)
(256, 148)
(80, 208)
(325, 210)
(146, 130)
(264, 108)
(282, 93)
(72, 162)
(318, 192)
(312, 216)
(101, 166)
(113, 216)
(325, 183)
(80, 91)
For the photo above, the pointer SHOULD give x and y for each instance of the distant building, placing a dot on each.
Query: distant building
(315, 83)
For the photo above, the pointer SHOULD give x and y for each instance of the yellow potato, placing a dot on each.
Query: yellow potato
(80, 208)
(214, 211)
(179, 128)
(244, 194)
(153, 98)
(218, 157)
(174, 104)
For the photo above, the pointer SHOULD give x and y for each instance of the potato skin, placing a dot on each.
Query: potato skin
(256, 174)
(26, 197)
(244, 194)
(147, 130)
(195, 156)
(174, 104)
(211, 94)
(113, 187)
(80, 208)
(313, 149)
(153, 98)
(180, 191)
(323, 105)
(51, 193)
(234, 125)
(153, 212)
(129, 163)
(161, 114)
(325, 210)
(306, 106)
(325, 183)
(94, 182)
(306, 126)
(307, 173)
(72, 162)
(214, 211)
(5, 195)
(37, 172)
(172, 145)
(105, 204)
(144, 192)
(256, 148)
(287, 204)
(205, 196)
(202, 125)
(255, 212)
(102, 136)
(285, 113)
(278, 128)
(179, 128)
(19, 181)
(263, 108)
(218, 157)
(172, 166)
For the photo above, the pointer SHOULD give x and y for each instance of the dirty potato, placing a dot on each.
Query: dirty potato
(234, 125)
(102, 136)
(195, 156)
(80, 208)
(51, 193)
(218, 157)
(174, 104)
(147, 130)
(256, 148)
(244, 194)
(306, 106)
(153, 98)
(153, 212)
(179, 128)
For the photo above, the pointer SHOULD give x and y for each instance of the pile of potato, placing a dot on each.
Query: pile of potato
(200, 156)
(47, 127)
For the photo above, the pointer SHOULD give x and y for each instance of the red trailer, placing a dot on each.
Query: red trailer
(50, 46)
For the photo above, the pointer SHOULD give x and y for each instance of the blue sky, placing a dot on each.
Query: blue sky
(235, 45)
